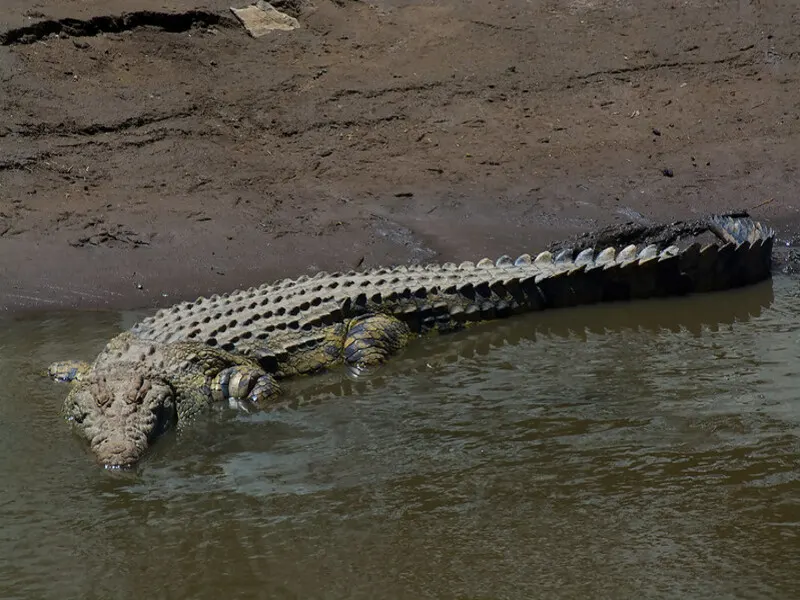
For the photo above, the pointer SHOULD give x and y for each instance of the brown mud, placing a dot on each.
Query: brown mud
(152, 153)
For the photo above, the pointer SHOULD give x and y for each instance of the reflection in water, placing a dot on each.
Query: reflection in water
(635, 450)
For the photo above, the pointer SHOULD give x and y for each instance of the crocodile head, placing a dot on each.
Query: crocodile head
(120, 414)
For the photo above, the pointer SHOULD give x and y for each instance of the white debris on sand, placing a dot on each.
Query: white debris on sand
(261, 18)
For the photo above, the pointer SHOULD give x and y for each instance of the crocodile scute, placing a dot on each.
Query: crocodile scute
(233, 349)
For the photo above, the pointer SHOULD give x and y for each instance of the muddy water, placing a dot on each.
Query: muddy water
(632, 451)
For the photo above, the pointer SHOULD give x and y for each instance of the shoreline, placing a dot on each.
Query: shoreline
(144, 279)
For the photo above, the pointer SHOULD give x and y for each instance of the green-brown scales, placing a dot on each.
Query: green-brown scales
(232, 348)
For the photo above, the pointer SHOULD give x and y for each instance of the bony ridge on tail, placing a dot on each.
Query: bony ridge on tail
(232, 349)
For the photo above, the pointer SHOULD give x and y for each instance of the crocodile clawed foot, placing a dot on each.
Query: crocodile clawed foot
(244, 387)
(371, 339)
(65, 371)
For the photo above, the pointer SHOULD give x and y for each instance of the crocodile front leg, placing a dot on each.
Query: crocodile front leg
(68, 370)
(373, 338)
(243, 386)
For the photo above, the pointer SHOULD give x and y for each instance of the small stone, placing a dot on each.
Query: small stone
(667, 172)
(656, 131)
(261, 18)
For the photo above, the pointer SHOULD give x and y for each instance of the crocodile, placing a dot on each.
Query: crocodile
(232, 350)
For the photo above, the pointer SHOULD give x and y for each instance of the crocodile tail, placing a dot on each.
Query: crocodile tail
(739, 229)
(744, 258)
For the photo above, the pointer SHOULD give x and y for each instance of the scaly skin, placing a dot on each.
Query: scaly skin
(136, 390)
(233, 348)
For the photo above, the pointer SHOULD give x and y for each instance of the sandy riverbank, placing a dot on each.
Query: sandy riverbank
(141, 167)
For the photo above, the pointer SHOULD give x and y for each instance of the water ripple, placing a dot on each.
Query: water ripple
(643, 450)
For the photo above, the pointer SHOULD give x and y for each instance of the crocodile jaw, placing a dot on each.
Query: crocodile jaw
(121, 414)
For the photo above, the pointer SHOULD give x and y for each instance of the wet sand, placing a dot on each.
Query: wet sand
(142, 167)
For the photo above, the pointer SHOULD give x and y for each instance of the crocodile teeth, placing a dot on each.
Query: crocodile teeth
(466, 265)
(504, 261)
(484, 263)
(544, 258)
(523, 260)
